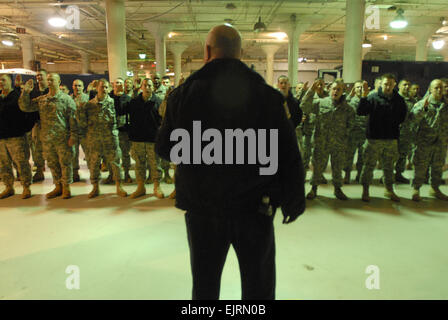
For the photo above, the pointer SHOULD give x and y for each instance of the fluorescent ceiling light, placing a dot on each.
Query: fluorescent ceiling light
(8, 43)
(366, 43)
(438, 44)
(57, 22)
(399, 22)
(142, 55)
(278, 35)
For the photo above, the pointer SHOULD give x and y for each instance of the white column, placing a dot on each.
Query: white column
(422, 34)
(159, 32)
(354, 23)
(177, 49)
(294, 30)
(270, 50)
(116, 39)
(85, 62)
(27, 51)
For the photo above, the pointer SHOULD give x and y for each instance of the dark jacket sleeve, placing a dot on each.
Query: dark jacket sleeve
(402, 110)
(290, 170)
(294, 110)
(364, 107)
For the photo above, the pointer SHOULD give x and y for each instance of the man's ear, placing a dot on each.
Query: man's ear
(207, 53)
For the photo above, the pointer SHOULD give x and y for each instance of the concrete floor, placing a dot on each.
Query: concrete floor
(137, 249)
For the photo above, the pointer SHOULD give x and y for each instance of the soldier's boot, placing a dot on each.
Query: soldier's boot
(358, 176)
(157, 191)
(365, 193)
(120, 191)
(435, 192)
(9, 191)
(390, 194)
(141, 190)
(103, 167)
(416, 195)
(95, 191)
(322, 179)
(339, 194)
(26, 193)
(167, 178)
(66, 193)
(39, 175)
(76, 177)
(399, 178)
(312, 194)
(172, 194)
(127, 177)
(57, 191)
(109, 179)
(347, 177)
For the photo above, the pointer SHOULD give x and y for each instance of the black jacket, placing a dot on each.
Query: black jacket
(144, 119)
(14, 122)
(385, 114)
(226, 94)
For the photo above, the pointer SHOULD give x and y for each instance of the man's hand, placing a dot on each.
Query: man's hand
(305, 86)
(315, 85)
(29, 86)
(352, 92)
(71, 142)
(365, 89)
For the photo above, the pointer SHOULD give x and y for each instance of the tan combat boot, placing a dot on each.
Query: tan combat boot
(157, 191)
(95, 191)
(389, 193)
(365, 193)
(141, 190)
(66, 193)
(172, 195)
(339, 194)
(26, 193)
(120, 190)
(435, 192)
(9, 191)
(57, 191)
(416, 195)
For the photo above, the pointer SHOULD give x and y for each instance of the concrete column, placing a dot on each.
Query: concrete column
(85, 62)
(177, 49)
(422, 34)
(27, 51)
(270, 50)
(354, 24)
(159, 32)
(116, 39)
(294, 30)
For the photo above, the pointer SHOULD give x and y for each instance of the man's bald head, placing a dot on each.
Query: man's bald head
(222, 42)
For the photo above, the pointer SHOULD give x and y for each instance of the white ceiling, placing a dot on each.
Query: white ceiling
(191, 20)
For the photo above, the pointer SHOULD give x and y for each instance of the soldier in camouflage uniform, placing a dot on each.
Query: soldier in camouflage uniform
(357, 136)
(406, 133)
(80, 99)
(386, 110)
(144, 122)
(58, 131)
(415, 97)
(334, 121)
(160, 90)
(13, 143)
(97, 118)
(431, 118)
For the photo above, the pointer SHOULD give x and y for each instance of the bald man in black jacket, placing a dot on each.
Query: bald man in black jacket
(231, 204)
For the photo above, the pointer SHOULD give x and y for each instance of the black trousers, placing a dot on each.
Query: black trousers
(252, 237)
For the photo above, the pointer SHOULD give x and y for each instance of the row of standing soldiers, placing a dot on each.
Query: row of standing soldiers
(383, 125)
(107, 126)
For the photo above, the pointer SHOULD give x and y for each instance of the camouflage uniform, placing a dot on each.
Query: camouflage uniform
(357, 138)
(406, 138)
(79, 101)
(332, 126)
(161, 163)
(35, 142)
(97, 119)
(58, 124)
(386, 151)
(144, 155)
(431, 142)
